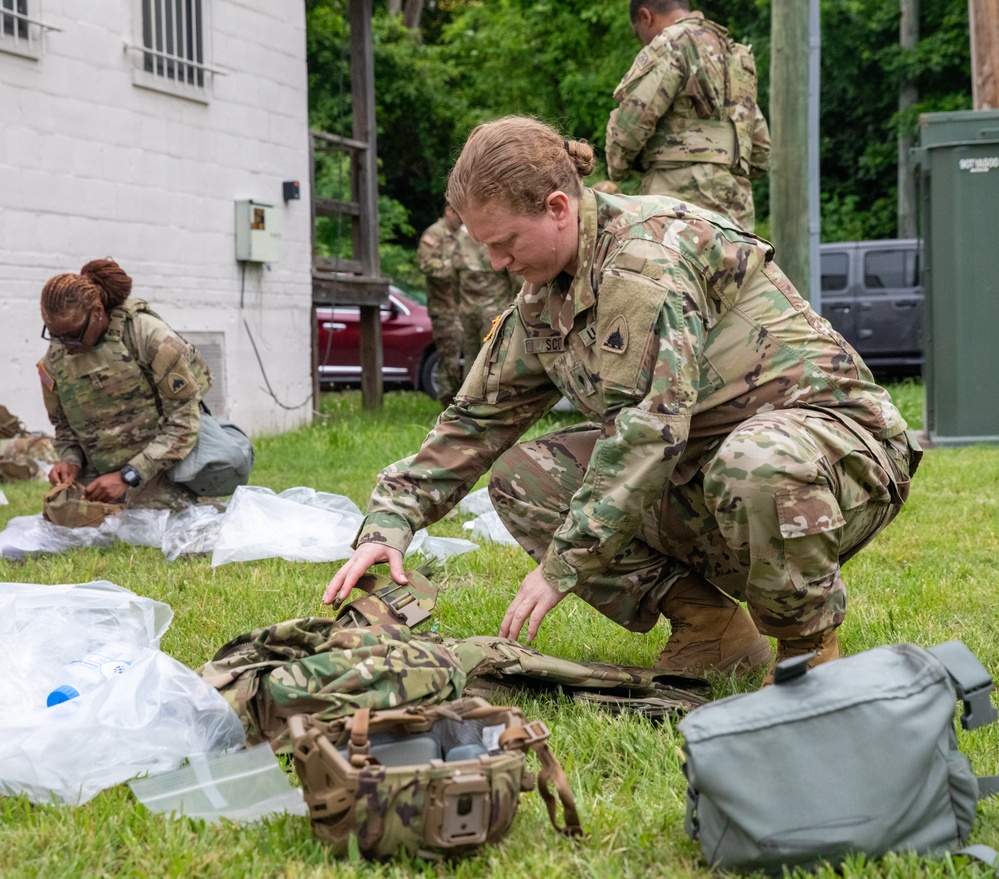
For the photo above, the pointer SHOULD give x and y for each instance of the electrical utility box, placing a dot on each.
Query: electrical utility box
(958, 162)
(258, 231)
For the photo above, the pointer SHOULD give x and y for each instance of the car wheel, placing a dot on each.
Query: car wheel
(429, 383)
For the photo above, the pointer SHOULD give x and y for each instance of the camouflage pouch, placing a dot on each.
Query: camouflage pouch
(65, 505)
(433, 781)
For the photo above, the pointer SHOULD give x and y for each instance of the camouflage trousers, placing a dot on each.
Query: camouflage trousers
(442, 305)
(769, 517)
(706, 185)
(478, 308)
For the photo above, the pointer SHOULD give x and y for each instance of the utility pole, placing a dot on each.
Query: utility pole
(789, 77)
(983, 22)
(908, 94)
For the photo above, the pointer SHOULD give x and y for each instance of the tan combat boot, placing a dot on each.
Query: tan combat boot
(825, 646)
(710, 631)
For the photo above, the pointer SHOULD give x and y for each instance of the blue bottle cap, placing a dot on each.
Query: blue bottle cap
(61, 694)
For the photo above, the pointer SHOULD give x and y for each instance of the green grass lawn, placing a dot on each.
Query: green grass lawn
(929, 577)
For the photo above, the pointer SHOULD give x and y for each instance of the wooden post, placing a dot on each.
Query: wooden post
(983, 23)
(789, 130)
(362, 90)
(908, 94)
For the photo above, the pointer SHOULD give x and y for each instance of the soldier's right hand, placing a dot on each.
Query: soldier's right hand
(64, 473)
(366, 555)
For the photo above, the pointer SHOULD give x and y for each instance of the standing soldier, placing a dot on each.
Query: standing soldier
(687, 114)
(435, 256)
(483, 293)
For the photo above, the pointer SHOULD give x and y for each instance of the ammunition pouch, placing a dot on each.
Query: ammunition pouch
(434, 781)
(65, 505)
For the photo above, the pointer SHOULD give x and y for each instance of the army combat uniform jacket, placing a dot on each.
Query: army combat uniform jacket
(673, 333)
(689, 99)
(132, 399)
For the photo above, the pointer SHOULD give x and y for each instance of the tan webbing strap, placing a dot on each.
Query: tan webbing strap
(359, 748)
(534, 737)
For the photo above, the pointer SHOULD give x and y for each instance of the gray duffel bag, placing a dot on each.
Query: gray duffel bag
(854, 756)
(220, 461)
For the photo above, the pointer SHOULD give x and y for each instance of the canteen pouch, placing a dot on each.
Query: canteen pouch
(220, 461)
(857, 755)
(65, 505)
(434, 781)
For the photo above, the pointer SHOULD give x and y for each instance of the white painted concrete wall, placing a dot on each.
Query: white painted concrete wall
(92, 165)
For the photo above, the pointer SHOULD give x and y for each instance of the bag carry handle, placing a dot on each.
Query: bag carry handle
(534, 737)
(971, 680)
(973, 684)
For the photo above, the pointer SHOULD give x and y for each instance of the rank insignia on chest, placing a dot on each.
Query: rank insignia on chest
(616, 339)
(544, 345)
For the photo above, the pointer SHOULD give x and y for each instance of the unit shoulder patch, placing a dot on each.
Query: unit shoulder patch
(616, 339)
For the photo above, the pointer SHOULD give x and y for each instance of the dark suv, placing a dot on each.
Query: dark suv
(871, 293)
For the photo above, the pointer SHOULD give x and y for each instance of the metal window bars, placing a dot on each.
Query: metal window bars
(18, 27)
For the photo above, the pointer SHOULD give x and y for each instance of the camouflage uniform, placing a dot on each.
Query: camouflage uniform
(434, 255)
(132, 399)
(20, 457)
(737, 433)
(688, 114)
(483, 292)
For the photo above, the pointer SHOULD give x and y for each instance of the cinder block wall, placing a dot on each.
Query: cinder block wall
(94, 165)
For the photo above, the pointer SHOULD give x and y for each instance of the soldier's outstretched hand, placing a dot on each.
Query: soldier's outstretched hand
(534, 599)
(366, 555)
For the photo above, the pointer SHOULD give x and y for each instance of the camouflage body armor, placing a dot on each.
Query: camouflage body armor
(107, 395)
(431, 781)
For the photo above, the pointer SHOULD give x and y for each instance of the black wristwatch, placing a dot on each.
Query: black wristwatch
(130, 476)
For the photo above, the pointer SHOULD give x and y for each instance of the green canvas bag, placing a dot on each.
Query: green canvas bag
(854, 756)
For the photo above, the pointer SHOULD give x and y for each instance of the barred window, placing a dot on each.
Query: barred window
(21, 27)
(14, 14)
(173, 40)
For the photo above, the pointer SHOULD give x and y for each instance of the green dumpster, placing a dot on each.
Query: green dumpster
(958, 166)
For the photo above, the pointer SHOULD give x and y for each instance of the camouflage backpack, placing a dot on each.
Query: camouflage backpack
(431, 781)
(65, 505)
(10, 425)
(19, 457)
(368, 657)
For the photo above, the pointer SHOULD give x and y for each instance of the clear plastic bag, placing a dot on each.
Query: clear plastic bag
(302, 524)
(146, 719)
(241, 786)
(487, 524)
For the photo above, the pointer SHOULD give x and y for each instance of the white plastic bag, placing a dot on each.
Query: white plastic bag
(302, 524)
(487, 525)
(147, 719)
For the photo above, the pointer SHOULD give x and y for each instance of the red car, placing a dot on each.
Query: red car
(409, 356)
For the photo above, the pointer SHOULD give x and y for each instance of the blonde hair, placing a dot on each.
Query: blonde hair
(519, 161)
(100, 282)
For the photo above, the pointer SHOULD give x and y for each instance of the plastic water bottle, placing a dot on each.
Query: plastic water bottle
(87, 673)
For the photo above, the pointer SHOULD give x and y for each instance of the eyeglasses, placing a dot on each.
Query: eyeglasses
(69, 341)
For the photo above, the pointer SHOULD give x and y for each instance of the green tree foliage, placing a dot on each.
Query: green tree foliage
(559, 60)
(862, 66)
